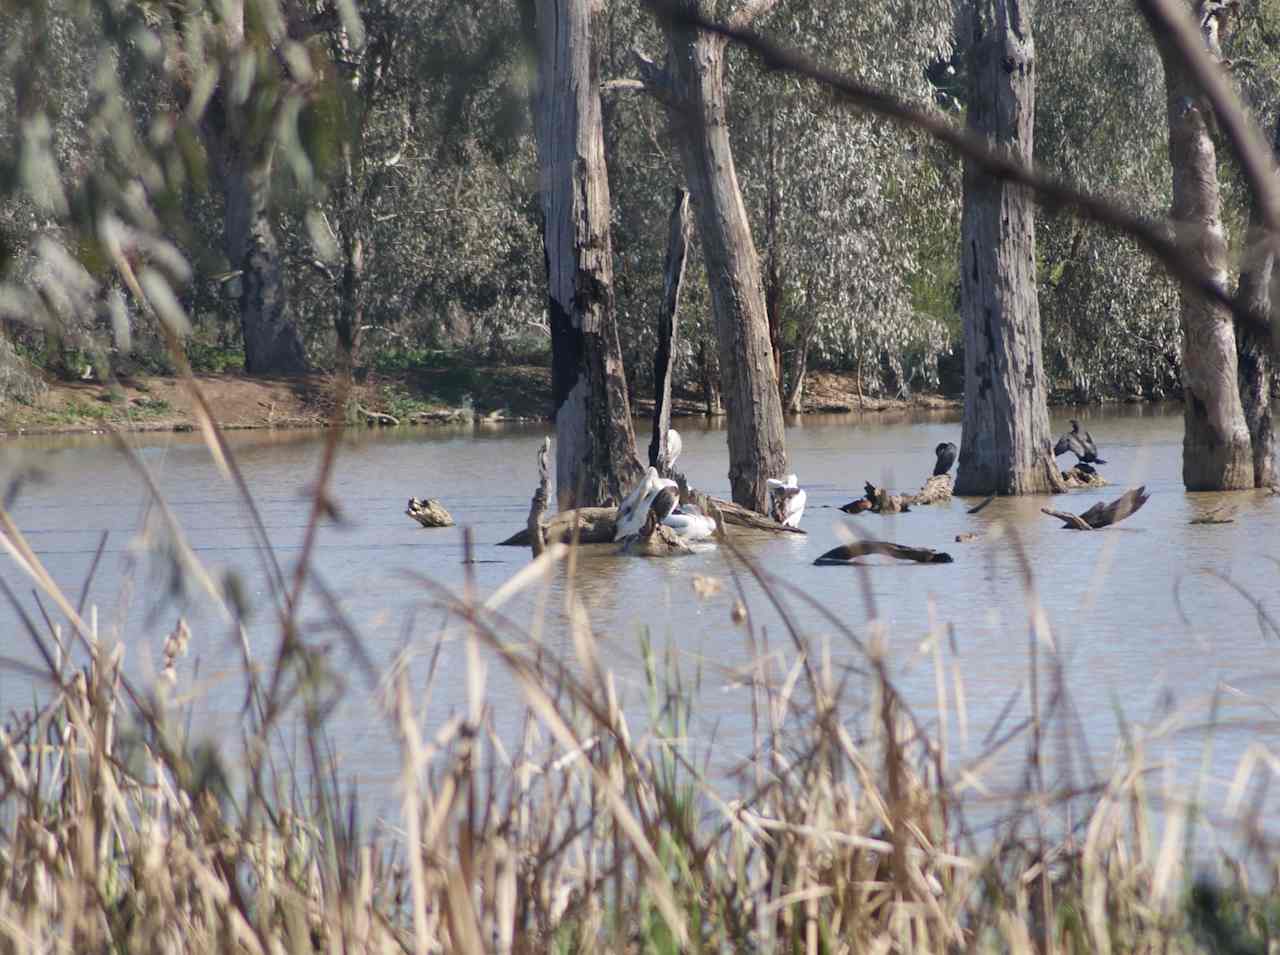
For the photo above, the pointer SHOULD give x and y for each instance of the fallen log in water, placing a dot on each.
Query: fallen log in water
(428, 513)
(878, 500)
(847, 553)
(1102, 515)
(1222, 514)
(596, 525)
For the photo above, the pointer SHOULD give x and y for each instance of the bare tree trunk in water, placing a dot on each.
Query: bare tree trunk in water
(1216, 449)
(709, 374)
(677, 253)
(1254, 366)
(596, 459)
(697, 110)
(1005, 443)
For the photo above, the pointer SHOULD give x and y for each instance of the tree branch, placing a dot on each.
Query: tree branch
(1151, 235)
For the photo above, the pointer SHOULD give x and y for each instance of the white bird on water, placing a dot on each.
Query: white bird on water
(787, 501)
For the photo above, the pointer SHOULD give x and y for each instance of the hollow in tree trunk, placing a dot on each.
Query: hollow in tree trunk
(697, 111)
(1005, 444)
(1216, 450)
(596, 458)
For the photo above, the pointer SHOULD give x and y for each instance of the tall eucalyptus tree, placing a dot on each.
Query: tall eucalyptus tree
(596, 456)
(692, 87)
(1216, 449)
(239, 135)
(1005, 442)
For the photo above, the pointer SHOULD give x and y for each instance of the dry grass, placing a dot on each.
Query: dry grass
(848, 829)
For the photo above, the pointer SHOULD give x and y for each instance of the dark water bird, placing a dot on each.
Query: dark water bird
(1080, 443)
(946, 453)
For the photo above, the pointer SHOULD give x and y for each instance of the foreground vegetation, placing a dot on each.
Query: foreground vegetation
(853, 825)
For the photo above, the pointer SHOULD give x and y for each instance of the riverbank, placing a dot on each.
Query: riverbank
(429, 396)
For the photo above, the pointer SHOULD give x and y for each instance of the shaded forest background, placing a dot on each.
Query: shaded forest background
(403, 193)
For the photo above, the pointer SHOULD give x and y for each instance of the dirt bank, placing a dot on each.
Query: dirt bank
(459, 393)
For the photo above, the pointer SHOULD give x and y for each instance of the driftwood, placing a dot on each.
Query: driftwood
(677, 253)
(981, 504)
(378, 417)
(538, 505)
(1079, 477)
(428, 513)
(878, 500)
(740, 516)
(847, 553)
(1103, 515)
(967, 538)
(596, 525)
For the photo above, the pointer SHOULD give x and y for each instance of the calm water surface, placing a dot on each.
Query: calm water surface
(1150, 616)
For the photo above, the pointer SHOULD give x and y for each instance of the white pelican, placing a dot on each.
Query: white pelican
(663, 497)
(787, 501)
(635, 506)
(674, 447)
(690, 523)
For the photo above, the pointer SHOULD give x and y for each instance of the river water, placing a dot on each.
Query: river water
(1148, 617)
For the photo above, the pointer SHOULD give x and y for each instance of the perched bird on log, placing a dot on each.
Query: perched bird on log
(946, 453)
(660, 498)
(1080, 443)
(674, 446)
(786, 501)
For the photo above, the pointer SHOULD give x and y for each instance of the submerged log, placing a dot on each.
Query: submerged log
(847, 553)
(878, 500)
(739, 516)
(428, 513)
(1222, 514)
(1103, 515)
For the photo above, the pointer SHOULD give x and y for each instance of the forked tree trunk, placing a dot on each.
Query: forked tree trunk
(697, 111)
(596, 458)
(1005, 444)
(1216, 450)
(1255, 370)
(664, 359)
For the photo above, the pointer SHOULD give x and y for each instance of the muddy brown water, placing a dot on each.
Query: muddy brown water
(1150, 618)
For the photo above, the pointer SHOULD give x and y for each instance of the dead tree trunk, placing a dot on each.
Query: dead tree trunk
(1005, 444)
(693, 87)
(677, 253)
(596, 457)
(709, 375)
(1253, 348)
(1216, 451)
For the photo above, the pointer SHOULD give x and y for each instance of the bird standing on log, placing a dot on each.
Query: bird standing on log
(1080, 443)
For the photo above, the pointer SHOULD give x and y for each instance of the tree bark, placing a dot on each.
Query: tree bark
(709, 372)
(1005, 445)
(242, 164)
(1253, 349)
(697, 112)
(596, 457)
(1216, 449)
(677, 254)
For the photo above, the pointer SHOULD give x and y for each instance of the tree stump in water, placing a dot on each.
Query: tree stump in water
(595, 525)
(936, 490)
(1078, 477)
(1102, 515)
(847, 553)
(654, 540)
(428, 513)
